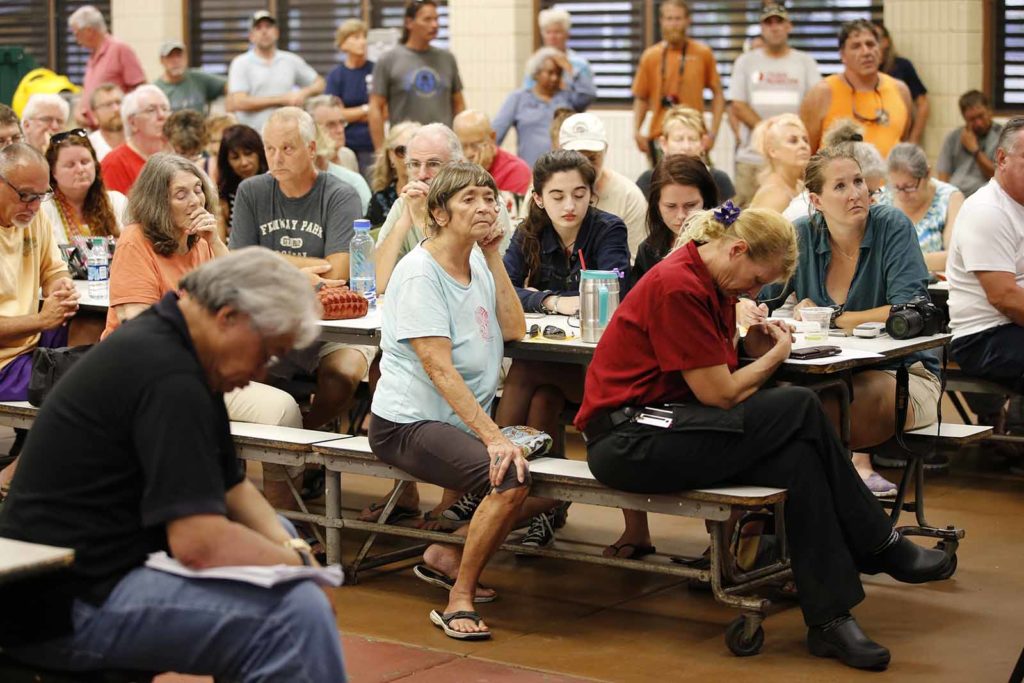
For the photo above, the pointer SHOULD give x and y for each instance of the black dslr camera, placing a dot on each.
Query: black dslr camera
(917, 318)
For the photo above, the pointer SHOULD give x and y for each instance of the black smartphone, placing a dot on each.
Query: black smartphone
(809, 352)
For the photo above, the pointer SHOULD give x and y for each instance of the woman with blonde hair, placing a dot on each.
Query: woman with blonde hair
(859, 260)
(349, 82)
(389, 175)
(672, 348)
(683, 132)
(782, 141)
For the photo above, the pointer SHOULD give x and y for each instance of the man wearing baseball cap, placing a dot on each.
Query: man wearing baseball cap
(187, 88)
(766, 82)
(266, 78)
(616, 193)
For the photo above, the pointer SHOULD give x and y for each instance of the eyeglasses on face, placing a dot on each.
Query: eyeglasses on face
(29, 197)
(50, 120)
(909, 188)
(73, 133)
(17, 137)
(414, 166)
(153, 109)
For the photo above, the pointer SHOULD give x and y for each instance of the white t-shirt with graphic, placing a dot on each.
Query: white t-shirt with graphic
(771, 86)
(423, 300)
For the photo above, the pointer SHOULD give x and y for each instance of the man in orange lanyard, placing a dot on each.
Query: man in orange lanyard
(675, 71)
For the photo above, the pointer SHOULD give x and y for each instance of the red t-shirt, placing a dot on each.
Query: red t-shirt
(121, 167)
(674, 319)
(510, 173)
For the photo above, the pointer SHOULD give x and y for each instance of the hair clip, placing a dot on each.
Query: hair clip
(727, 213)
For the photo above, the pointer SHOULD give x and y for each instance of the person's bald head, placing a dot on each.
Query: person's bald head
(26, 174)
(476, 135)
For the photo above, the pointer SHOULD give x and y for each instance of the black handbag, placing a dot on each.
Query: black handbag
(48, 366)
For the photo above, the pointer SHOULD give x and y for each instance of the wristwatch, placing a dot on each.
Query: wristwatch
(836, 312)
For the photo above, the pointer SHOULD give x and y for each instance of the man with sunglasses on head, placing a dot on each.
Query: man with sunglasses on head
(44, 115)
(880, 103)
(429, 148)
(143, 111)
(10, 127)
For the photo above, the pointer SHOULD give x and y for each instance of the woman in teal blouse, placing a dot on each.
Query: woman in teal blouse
(861, 259)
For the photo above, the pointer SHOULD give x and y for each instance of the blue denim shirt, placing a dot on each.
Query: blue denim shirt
(602, 237)
(890, 269)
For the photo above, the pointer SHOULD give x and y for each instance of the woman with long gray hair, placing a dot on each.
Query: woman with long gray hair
(172, 231)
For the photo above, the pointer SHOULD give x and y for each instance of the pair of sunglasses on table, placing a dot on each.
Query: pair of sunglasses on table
(553, 331)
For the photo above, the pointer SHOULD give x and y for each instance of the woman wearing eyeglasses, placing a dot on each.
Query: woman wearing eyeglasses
(860, 259)
(930, 204)
(81, 205)
(239, 156)
(389, 174)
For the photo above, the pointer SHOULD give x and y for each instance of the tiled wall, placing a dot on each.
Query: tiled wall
(493, 38)
(144, 24)
(943, 38)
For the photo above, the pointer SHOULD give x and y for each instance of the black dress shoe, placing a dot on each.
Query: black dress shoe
(908, 562)
(842, 638)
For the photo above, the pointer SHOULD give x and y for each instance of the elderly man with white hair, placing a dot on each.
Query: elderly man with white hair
(44, 116)
(306, 216)
(143, 111)
(430, 147)
(151, 443)
(110, 60)
(577, 76)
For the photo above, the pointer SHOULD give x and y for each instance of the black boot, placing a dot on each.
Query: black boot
(842, 638)
(908, 562)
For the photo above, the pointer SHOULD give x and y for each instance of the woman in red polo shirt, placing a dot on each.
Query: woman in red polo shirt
(673, 340)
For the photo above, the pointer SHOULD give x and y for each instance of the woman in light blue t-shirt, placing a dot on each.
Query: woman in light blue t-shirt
(447, 314)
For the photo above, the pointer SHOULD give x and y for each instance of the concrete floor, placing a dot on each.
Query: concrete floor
(562, 621)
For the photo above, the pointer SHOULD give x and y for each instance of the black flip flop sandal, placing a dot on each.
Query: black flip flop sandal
(445, 582)
(442, 621)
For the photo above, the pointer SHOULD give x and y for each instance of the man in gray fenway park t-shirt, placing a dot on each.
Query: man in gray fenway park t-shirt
(414, 81)
(306, 216)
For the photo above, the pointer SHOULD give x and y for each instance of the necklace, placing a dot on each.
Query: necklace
(881, 116)
(841, 252)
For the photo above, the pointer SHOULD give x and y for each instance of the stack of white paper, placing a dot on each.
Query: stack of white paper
(265, 576)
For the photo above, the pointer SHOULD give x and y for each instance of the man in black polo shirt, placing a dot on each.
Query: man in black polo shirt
(132, 454)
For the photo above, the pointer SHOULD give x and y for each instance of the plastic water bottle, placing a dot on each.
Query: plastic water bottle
(99, 272)
(362, 270)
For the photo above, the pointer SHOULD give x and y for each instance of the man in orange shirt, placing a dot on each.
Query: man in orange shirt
(675, 71)
(878, 102)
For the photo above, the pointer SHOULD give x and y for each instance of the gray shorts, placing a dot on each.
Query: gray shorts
(438, 453)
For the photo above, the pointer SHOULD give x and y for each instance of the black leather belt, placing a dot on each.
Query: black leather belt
(603, 423)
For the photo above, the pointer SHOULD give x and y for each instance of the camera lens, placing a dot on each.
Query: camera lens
(904, 324)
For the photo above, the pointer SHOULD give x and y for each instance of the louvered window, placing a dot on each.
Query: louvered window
(41, 28)
(613, 34)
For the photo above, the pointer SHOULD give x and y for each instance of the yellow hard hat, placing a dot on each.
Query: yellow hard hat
(37, 81)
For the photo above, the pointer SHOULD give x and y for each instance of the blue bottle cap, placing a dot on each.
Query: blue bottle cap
(360, 224)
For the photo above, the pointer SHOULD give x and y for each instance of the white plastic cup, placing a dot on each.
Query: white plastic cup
(820, 315)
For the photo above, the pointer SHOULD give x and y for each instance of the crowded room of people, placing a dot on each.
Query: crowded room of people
(511, 340)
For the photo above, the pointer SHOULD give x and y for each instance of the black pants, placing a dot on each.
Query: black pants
(832, 520)
(995, 354)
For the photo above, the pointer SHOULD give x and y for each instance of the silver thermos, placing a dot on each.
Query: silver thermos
(599, 297)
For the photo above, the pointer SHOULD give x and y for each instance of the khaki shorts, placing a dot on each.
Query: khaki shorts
(306, 361)
(925, 390)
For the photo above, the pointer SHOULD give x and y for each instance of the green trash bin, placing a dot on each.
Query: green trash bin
(14, 64)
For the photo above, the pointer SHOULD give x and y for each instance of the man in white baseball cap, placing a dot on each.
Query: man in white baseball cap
(616, 193)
